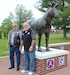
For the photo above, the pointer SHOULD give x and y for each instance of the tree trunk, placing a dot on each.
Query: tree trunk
(0, 35)
(64, 33)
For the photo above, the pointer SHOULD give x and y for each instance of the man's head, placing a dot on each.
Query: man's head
(14, 26)
(26, 26)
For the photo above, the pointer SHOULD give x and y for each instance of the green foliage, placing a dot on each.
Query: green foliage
(6, 26)
(11, 17)
(41, 4)
(21, 15)
(64, 19)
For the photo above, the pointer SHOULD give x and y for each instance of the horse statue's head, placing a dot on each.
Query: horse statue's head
(52, 11)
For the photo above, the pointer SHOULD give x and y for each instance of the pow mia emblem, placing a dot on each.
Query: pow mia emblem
(28, 33)
(61, 60)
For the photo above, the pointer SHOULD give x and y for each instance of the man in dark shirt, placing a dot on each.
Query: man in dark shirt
(28, 40)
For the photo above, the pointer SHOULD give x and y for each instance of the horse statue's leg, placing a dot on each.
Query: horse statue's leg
(47, 32)
(47, 38)
(39, 40)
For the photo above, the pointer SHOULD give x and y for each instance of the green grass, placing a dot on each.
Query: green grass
(58, 38)
(53, 38)
(3, 47)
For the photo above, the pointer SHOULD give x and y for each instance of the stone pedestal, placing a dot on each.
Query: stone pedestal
(62, 46)
(50, 61)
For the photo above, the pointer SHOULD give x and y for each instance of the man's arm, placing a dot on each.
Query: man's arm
(21, 44)
(32, 45)
(33, 35)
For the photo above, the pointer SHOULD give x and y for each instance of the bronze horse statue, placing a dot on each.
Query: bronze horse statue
(43, 24)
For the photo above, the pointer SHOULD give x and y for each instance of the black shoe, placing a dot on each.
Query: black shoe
(17, 69)
(11, 67)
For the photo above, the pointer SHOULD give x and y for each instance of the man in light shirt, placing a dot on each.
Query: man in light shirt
(14, 38)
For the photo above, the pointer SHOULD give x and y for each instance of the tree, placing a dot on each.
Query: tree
(11, 17)
(21, 15)
(64, 15)
(6, 26)
(42, 4)
(64, 20)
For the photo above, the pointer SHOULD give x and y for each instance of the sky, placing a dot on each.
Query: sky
(7, 6)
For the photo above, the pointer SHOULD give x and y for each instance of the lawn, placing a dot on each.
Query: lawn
(3, 47)
(53, 38)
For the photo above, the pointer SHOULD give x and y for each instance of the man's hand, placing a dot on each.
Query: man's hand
(20, 48)
(31, 49)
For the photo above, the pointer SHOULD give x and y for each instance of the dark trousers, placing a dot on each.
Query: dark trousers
(14, 49)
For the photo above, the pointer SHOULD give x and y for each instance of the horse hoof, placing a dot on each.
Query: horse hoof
(39, 50)
(47, 50)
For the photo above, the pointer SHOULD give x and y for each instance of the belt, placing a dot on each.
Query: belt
(11, 45)
(14, 45)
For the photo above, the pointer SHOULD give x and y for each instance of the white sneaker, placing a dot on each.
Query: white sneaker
(30, 73)
(23, 71)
